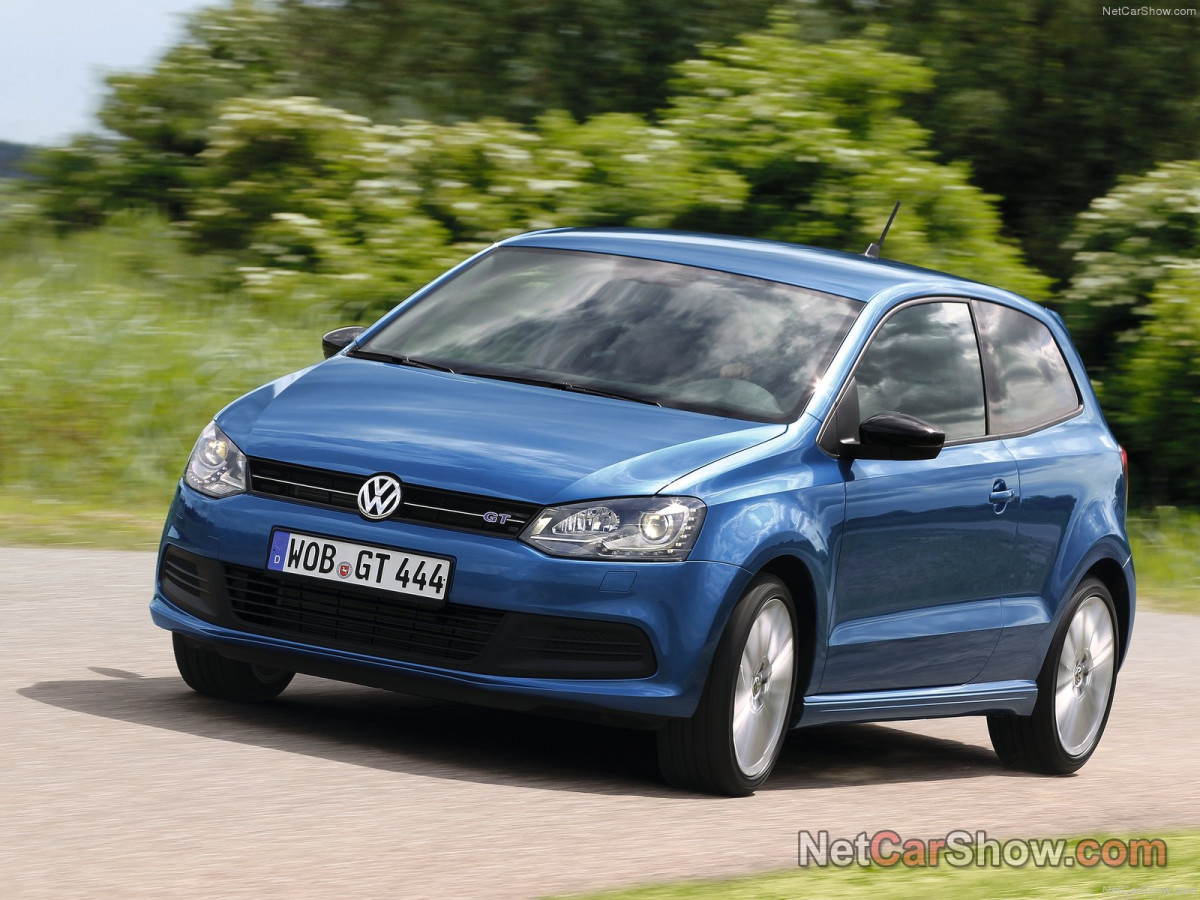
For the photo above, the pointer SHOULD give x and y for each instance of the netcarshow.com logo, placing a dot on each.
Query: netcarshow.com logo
(962, 848)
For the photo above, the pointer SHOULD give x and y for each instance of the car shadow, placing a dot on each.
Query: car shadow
(399, 733)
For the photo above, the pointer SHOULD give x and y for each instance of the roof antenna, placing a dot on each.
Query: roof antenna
(874, 247)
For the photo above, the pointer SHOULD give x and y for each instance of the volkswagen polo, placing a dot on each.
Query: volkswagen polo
(712, 486)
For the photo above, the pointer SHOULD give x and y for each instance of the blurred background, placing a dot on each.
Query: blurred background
(281, 168)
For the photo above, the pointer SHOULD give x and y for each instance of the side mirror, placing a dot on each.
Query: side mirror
(893, 435)
(339, 339)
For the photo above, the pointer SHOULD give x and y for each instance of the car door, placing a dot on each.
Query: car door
(926, 545)
(1035, 405)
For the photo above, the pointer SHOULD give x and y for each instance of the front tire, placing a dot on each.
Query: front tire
(1075, 691)
(732, 742)
(208, 672)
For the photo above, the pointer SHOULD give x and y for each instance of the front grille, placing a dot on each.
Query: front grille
(379, 626)
(427, 505)
(468, 638)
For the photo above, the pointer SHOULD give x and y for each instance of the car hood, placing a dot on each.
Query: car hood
(478, 435)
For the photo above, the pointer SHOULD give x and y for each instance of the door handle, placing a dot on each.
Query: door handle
(1001, 495)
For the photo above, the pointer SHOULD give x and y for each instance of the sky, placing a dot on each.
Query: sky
(54, 53)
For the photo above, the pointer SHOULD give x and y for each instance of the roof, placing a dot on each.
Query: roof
(850, 275)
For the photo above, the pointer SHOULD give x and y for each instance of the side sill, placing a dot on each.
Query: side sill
(1012, 697)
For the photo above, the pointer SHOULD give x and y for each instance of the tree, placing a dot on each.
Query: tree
(1050, 101)
(1123, 245)
(816, 132)
(161, 118)
(1134, 307)
(767, 137)
(1156, 394)
(313, 203)
(444, 61)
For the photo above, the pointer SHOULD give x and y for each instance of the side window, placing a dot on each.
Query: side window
(924, 361)
(1029, 382)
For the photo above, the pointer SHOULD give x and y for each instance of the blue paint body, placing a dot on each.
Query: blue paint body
(927, 600)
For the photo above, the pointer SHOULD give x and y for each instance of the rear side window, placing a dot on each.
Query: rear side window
(924, 361)
(1029, 383)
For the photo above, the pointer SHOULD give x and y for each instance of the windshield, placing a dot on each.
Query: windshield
(675, 335)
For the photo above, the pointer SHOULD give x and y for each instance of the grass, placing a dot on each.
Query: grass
(1181, 877)
(28, 519)
(117, 348)
(1166, 556)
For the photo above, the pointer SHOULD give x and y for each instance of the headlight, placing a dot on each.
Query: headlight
(646, 529)
(216, 467)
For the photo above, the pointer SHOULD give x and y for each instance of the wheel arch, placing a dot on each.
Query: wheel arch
(798, 578)
(1110, 572)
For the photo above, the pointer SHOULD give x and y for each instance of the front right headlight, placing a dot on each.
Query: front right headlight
(216, 467)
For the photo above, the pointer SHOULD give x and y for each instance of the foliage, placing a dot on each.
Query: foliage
(310, 199)
(317, 201)
(1134, 307)
(1049, 101)
(816, 133)
(1122, 246)
(1046, 102)
(1156, 393)
(515, 59)
(767, 137)
(162, 117)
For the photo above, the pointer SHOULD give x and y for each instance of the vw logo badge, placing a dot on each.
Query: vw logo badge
(379, 497)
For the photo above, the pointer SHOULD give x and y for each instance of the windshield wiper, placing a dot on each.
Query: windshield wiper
(399, 360)
(560, 385)
(605, 392)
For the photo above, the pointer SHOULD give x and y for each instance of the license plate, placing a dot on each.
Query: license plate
(414, 575)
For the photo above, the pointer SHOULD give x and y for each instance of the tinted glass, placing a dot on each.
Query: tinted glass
(924, 361)
(682, 336)
(1029, 383)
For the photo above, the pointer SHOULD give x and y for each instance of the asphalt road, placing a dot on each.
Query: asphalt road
(117, 781)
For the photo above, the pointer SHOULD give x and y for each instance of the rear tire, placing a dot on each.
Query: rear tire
(1075, 691)
(732, 742)
(207, 672)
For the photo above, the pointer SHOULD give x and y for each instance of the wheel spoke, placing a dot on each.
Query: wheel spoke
(755, 642)
(783, 659)
(1104, 649)
(1089, 712)
(1073, 640)
(1102, 672)
(741, 695)
(1068, 715)
(1091, 616)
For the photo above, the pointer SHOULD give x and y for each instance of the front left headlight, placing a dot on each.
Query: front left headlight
(641, 529)
(216, 467)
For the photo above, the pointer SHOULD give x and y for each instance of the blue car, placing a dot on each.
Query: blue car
(711, 486)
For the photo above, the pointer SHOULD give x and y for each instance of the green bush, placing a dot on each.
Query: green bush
(1134, 309)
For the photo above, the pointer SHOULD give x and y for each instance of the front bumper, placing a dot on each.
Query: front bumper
(677, 609)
